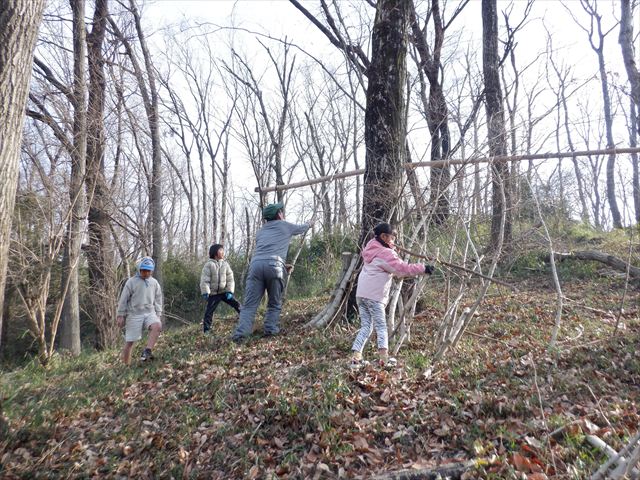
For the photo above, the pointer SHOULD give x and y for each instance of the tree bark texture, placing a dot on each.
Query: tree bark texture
(151, 108)
(633, 73)
(628, 54)
(437, 112)
(19, 22)
(495, 123)
(70, 328)
(385, 122)
(100, 249)
(598, 48)
(633, 141)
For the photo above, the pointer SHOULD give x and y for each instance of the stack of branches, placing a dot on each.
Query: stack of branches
(459, 261)
(622, 464)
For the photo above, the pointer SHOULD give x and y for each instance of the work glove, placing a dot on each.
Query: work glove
(228, 295)
(428, 269)
(205, 296)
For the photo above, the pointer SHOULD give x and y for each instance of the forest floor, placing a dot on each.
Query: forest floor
(289, 406)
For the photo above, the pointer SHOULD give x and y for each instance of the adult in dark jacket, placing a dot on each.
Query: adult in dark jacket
(266, 272)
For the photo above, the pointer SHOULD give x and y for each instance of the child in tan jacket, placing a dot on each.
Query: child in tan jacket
(217, 284)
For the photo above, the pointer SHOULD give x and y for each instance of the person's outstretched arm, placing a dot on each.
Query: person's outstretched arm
(298, 229)
(390, 262)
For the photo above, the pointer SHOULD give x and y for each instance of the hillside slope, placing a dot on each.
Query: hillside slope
(289, 407)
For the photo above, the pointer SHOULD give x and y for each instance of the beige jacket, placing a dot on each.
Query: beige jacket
(217, 277)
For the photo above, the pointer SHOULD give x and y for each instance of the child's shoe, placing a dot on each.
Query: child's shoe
(356, 363)
(146, 355)
(388, 362)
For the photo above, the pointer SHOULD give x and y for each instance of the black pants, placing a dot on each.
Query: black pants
(212, 304)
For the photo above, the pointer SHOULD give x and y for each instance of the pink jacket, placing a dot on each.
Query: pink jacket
(380, 263)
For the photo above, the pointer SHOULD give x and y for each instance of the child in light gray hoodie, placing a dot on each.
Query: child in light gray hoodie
(140, 307)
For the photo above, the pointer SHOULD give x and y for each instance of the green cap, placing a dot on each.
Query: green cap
(270, 211)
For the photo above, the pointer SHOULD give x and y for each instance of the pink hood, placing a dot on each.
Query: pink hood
(380, 264)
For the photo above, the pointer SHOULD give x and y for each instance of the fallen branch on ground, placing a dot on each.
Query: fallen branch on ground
(610, 260)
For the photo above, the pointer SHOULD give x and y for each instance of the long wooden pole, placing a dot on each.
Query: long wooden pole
(457, 267)
(445, 163)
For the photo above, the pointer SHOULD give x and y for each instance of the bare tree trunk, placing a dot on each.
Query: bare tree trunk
(151, 108)
(495, 124)
(628, 55)
(595, 31)
(633, 142)
(100, 249)
(70, 328)
(385, 127)
(19, 22)
(633, 73)
(436, 109)
(225, 188)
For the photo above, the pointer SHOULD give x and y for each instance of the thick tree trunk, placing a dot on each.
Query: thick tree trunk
(70, 328)
(19, 22)
(385, 123)
(495, 124)
(100, 249)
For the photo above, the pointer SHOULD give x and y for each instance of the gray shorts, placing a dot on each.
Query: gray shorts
(136, 323)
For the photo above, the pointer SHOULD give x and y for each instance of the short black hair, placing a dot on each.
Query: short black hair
(213, 249)
(384, 228)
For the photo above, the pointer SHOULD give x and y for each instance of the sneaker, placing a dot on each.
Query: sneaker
(146, 355)
(356, 364)
(388, 362)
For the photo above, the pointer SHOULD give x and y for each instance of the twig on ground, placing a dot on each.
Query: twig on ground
(544, 417)
(598, 403)
(176, 317)
(255, 431)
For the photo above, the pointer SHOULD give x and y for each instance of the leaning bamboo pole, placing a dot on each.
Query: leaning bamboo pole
(446, 163)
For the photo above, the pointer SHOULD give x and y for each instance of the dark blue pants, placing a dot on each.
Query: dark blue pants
(212, 304)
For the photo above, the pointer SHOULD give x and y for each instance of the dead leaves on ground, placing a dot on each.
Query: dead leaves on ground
(278, 408)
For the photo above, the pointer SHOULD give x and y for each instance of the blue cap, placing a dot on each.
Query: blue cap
(146, 263)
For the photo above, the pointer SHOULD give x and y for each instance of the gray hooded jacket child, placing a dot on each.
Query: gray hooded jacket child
(140, 297)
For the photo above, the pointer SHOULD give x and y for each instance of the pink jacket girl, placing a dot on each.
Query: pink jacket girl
(381, 262)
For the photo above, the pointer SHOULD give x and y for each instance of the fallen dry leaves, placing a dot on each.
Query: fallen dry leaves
(290, 408)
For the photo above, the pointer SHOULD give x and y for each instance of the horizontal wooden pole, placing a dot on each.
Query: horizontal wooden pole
(446, 163)
(313, 181)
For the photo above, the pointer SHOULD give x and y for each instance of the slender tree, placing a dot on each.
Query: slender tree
(633, 73)
(497, 135)
(70, 321)
(597, 35)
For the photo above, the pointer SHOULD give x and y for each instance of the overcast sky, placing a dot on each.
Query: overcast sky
(280, 19)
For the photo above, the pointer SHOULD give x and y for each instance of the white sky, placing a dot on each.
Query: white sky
(280, 18)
